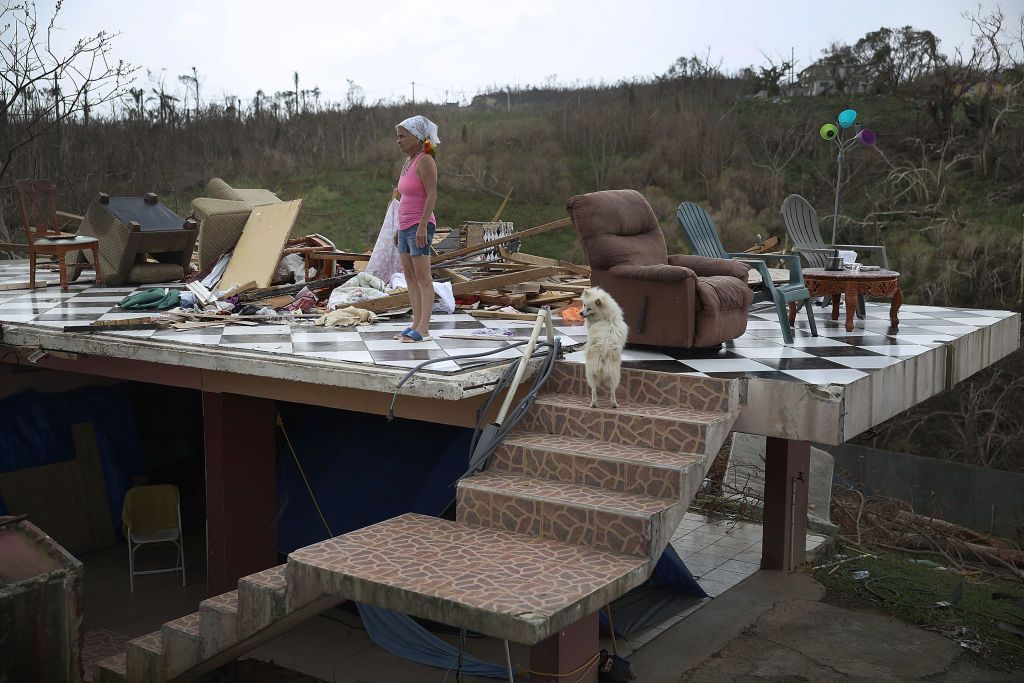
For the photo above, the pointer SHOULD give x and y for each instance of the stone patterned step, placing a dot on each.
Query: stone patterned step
(669, 428)
(218, 623)
(613, 521)
(181, 644)
(653, 388)
(612, 466)
(262, 600)
(502, 584)
(111, 670)
(144, 659)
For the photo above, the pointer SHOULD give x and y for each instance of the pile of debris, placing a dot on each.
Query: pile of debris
(882, 523)
(267, 277)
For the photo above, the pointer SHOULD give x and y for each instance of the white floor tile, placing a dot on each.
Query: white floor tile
(347, 356)
(824, 377)
(726, 365)
(771, 352)
(866, 362)
(232, 330)
(901, 349)
(395, 345)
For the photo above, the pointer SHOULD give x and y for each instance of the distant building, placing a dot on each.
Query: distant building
(822, 78)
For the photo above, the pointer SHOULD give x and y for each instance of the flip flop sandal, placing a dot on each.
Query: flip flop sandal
(402, 334)
(414, 337)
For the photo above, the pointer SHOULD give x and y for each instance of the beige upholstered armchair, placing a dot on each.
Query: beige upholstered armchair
(222, 214)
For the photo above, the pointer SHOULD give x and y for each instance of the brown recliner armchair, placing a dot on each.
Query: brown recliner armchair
(679, 300)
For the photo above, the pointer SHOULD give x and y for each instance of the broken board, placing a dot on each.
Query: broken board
(259, 248)
(67, 500)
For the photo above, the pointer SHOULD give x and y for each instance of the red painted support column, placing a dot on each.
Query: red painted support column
(567, 651)
(787, 471)
(241, 488)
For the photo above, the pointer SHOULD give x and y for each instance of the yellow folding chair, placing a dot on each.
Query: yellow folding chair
(152, 514)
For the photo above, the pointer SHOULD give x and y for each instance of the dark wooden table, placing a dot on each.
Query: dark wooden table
(877, 283)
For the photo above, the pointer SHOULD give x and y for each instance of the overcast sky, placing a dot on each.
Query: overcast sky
(465, 46)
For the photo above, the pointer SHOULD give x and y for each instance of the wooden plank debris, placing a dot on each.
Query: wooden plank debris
(492, 297)
(259, 248)
(267, 292)
(502, 315)
(23, 285)
(518, 257)
(125, 322)
(461, 288)
(465, 251)
(549, 298)
(116, 328)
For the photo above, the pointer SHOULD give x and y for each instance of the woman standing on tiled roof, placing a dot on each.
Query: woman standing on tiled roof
(417, 138)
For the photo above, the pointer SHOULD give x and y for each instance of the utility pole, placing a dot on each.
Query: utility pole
(414, 93)
(508, 99)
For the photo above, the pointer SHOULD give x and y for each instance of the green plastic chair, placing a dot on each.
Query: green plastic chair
(704, 241)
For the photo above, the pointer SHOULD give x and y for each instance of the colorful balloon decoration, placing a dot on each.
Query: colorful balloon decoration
(846, 118)
(830, 131)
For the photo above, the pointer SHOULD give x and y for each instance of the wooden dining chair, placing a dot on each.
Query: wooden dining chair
(37, 200)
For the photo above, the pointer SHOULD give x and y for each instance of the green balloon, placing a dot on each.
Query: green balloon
(828, 131)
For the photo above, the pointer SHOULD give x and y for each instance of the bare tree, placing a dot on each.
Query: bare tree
(83, 76)
(192, 81)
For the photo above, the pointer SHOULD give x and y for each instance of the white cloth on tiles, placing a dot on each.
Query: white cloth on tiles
(445, 297)
(385, 261)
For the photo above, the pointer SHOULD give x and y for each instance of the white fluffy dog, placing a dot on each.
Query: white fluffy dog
(606, 337)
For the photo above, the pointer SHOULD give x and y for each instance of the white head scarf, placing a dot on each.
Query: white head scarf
(422, 127)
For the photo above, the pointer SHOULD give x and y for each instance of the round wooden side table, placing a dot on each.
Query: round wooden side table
(877, 283)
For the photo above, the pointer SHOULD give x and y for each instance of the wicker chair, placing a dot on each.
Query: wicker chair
(222, 214)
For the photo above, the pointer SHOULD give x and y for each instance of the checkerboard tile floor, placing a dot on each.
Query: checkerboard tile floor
(368, 344)
(834, 357)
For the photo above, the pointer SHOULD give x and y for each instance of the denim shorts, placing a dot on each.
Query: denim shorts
(407, 241)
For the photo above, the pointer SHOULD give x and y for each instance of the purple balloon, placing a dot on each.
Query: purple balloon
(866, 137)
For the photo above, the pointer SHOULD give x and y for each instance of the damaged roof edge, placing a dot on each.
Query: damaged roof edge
(343, 375)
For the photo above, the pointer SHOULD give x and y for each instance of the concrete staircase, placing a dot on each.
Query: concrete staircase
(573, 511)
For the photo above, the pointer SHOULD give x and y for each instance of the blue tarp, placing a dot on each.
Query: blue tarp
(363, 470)
(35, 429)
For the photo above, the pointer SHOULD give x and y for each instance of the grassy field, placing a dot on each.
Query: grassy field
(971, 612)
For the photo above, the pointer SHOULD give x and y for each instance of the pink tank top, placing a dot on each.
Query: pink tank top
(414, 196)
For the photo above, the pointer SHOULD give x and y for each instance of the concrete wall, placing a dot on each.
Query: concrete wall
(986, 500)
(40, 607)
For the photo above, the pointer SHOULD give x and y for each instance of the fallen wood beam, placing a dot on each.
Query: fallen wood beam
(499, 265)
(114, 328)
(761, 248)
(455, 277)
(486, 337)
(547, 227)
(268, 292)
(22, 285)
(72, 216)
(559, 287)
(550, 298)
(248, 286)
(123, 321)
(460, 288)
(502, 315)
(517, 257)
(496, 298)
